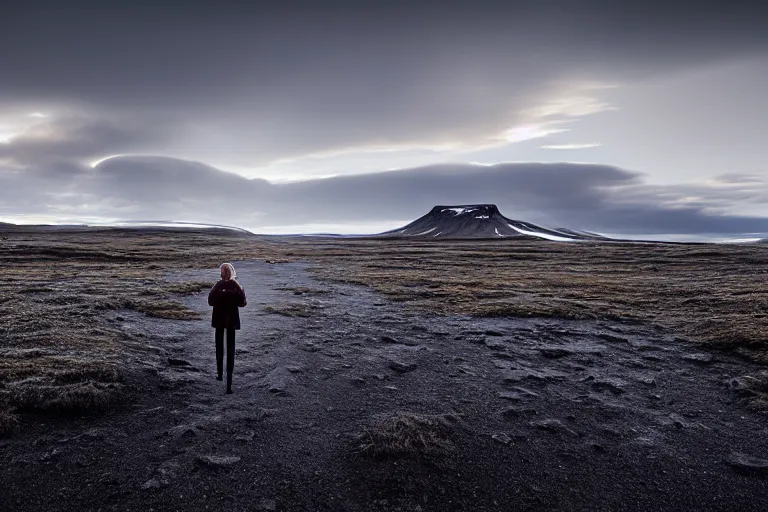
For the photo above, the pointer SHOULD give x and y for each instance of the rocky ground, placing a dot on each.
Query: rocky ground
(517, 414)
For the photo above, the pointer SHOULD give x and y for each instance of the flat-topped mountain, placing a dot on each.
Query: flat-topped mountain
(481, 221)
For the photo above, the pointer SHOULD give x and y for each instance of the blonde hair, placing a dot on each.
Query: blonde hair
(228, 266)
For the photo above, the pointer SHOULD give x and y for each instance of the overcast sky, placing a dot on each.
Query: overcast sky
(619, 117)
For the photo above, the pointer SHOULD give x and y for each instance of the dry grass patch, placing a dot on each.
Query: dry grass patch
(167, 309)
(8, 422)
(188, 287)
(79, 397)
(406, 435)
(58, 352)
(712, 294)
(44, 382)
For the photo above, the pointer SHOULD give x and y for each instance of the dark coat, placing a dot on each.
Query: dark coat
(226, 297)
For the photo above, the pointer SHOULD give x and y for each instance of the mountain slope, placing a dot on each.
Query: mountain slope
(481, 221)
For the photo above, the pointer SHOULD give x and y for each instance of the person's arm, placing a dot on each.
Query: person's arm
(214, 295)
(243, 302)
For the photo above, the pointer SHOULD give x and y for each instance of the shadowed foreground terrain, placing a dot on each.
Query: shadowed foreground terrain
(518, 375)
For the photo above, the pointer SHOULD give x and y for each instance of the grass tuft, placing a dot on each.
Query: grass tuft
(79, 397)
(406, 435)
(189, 287)
(168, 309)
(8, 422)
(300, 310)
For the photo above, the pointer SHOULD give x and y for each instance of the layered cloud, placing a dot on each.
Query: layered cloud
(594, 197)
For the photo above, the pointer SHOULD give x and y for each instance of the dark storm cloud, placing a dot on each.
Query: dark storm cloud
(593, 197)
(141, 45)
(250, 82)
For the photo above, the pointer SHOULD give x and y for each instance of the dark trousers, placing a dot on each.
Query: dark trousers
(230, 352)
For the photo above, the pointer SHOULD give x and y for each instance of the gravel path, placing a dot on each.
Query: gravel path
(542, 414)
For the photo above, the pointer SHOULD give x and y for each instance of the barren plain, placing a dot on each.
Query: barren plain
(381, 374)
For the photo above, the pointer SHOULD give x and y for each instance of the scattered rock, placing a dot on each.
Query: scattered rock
(610, 431)
(598, 447)
(495, 345)
(90, 434)
(109, 479)
(152, 410)
(402, 367)
(294, 369)
(744, 385)
(517, 412)
(612, 337)
(265, 413)
(184, 431)
(515, 396)
(268, 505)
(150, 484)
(673, 419)
(615, 386)
(51, 455)
(540, 375)
(554, 426)
(699, 358)
(178, 362)
(120, 318)
(554, 352)
(245, 437)
(217, 461)
(396, 341)
(501, 438)
(748, 464)
(526, 392)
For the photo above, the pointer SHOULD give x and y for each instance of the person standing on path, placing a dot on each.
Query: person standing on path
(226, 297)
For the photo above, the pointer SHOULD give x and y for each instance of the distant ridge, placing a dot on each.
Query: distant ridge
(481, 221)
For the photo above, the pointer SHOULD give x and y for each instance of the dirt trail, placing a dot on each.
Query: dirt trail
(544, 414)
